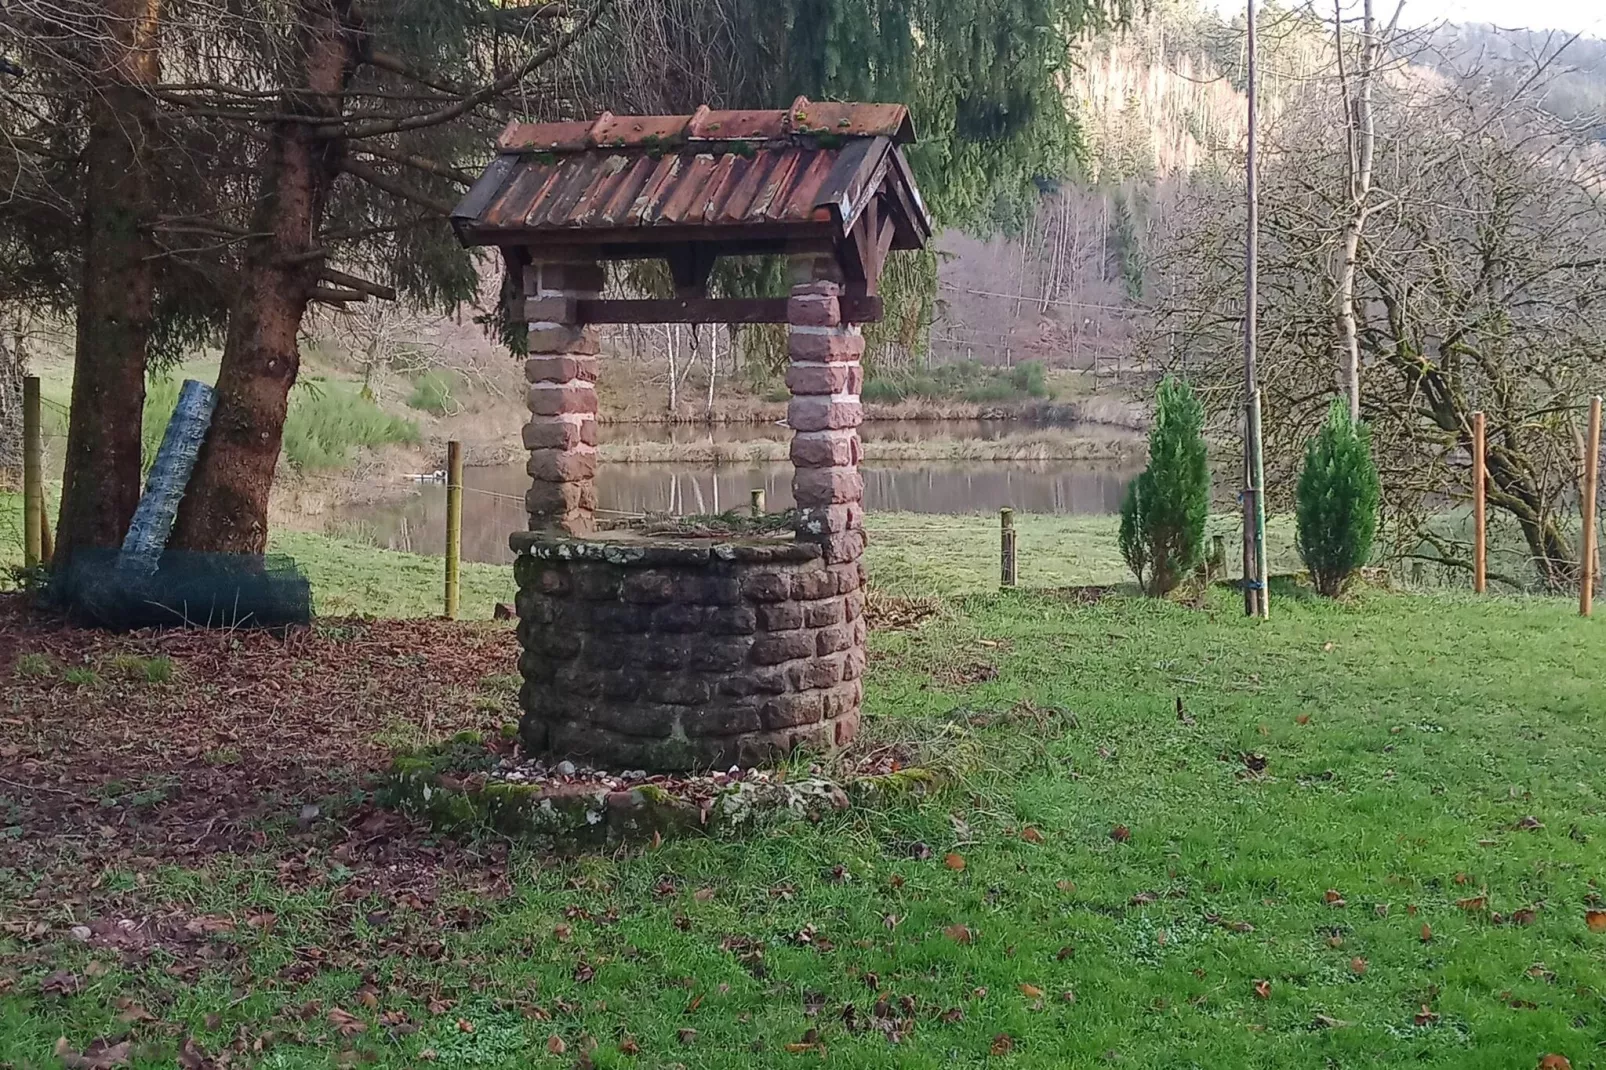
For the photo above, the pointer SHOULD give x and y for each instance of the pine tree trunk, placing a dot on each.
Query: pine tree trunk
(101, 480)
(226, 507)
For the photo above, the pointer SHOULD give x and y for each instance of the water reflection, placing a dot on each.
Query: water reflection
(493, 505)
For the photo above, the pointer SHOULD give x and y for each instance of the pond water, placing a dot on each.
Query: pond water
(493, 502)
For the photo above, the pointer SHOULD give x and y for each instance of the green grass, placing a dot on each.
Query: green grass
(351, 577)
(962, 381)
(327, 421)
(1406, 739)
(434, 392)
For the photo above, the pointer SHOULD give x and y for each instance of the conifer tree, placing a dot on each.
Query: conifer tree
(1337, 501)
(1163, 515)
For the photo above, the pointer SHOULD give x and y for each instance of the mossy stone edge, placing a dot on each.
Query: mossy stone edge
(449, 786)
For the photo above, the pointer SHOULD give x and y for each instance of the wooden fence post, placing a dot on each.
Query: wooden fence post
(454, 524)
(1480, 479)
(1006, 547)
(1586, 552)
(33, 488)
(757, 495)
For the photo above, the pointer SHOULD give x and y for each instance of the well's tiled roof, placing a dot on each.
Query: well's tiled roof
(755, 175)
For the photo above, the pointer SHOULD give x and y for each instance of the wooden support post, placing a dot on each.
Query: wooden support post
(1006, 547)
(1480, 479)
(758, 502)
(454, 523)
(1586, 553)
(33, 488)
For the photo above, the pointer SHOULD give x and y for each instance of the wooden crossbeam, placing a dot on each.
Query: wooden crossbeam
(855, 309)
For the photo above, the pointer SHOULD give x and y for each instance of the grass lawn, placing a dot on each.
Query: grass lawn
(1372, 837)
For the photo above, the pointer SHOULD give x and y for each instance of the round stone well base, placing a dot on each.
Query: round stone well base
(675, 653)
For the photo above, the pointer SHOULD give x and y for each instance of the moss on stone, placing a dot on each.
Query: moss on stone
(899, 785)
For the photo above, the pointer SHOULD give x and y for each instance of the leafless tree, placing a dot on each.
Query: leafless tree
(1478, 281)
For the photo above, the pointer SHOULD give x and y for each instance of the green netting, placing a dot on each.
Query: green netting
(199, 590)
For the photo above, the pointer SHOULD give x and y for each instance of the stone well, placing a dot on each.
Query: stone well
(644, 652)
(671, 654)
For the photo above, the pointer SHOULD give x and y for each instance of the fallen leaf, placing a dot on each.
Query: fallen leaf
(1263, 989)
(1473, 904)
(1032, 834)
(1333, 898)
(465, 1026)
(951, 1015)
(1524, 916)
(703, 895)
(563, 933)
(960, 934)
(1003, 1044)
(1255, 763)
(1065, 885)
(346, 1023)
(1323, 1021)
(1462, 878)
(1303, 718)
(191, 1057)
(1595, 920)
(555, 1045)
(686, 1035)
(101, 1054)
(1064, 953)
(133, 1012)
(1530, 823)
(1427, 932)
(1426, 1016)
(1555, 1062)
(1357, 966)
(1120, 834)
(954, 861)
(628, 1045)
(60, 983)
(1031, 991)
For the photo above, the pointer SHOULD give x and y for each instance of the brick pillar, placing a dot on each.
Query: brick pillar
(562, 433)
(824, 378)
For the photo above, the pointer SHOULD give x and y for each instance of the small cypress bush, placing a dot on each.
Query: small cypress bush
(1163, 516)
(1336, 504)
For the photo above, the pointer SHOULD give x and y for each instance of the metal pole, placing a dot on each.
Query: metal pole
(454, 523)
(1587, 555)
(1006, 547)
(1480, 480)
(33, 488)
(1255, 600)
(1261, 572)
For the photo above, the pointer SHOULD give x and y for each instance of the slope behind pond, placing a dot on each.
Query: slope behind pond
(1404, 881)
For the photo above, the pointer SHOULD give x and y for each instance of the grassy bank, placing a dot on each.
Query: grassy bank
(1361, 835)
(1049, 444)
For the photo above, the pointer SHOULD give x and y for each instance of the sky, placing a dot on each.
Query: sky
(1581, 16)
(1585, 16)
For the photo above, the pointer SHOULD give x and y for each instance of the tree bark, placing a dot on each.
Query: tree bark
(1361, 140)
(101, 479)
(226, 506)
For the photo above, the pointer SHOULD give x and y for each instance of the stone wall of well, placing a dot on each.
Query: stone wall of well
(687, 654)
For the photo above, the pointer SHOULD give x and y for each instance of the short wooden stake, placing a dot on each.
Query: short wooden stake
(454, 524)
(1480, 479)
(1587, 554)
(758, 502)
(33, 487)
(1006, 547)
